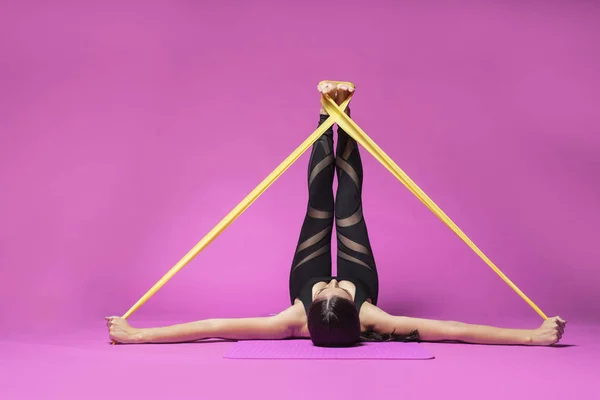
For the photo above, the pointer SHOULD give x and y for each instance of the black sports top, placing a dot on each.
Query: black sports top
(305, 294)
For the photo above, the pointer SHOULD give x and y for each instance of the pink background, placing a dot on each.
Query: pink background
(129, 129)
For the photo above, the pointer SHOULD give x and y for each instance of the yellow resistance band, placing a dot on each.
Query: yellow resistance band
(350, 127)
(338, 115)
(235, 213)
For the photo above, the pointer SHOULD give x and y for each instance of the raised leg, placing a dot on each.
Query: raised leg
(355, 256)
(313, 251)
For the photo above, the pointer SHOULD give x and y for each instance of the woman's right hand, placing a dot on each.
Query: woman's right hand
(549, 333)
(120, 331)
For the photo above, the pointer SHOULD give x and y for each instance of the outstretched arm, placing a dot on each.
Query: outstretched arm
(550, 332)
(280, 326)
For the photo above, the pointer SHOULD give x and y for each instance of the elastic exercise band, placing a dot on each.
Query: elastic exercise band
(350, 127)
(235, 213)
(336, 115)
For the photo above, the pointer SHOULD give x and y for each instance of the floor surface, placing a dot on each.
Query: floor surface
(82, 365)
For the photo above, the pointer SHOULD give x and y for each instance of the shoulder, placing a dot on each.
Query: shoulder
(294, 318)
(370, 315)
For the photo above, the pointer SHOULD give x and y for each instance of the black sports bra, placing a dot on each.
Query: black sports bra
(306, 297)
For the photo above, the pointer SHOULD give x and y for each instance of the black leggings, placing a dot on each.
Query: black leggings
(313, 253)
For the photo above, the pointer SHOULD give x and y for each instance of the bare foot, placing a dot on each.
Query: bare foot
(120, 331)
(327, 87)
(343, 91)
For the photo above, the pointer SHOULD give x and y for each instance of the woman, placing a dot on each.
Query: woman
(342, 310)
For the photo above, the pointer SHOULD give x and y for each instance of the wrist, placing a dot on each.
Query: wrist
(527, 337)
(141, 336)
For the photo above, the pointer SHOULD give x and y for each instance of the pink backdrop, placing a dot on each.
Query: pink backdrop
(119, 150)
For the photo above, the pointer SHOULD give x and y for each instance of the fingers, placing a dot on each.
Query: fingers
(558, 332)
(554, 329)
(110, 321)
(559, 326)
(110, 324)
(556, 320)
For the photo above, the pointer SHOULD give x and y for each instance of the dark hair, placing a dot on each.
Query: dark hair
(371, 336)
(334, 322)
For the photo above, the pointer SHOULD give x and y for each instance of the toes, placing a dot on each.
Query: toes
(331, 87)
(345, 91)
(345, 87)
(324, 86)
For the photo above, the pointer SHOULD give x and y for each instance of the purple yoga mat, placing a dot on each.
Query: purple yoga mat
(304, 349)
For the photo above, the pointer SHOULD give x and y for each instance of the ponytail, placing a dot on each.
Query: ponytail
(371, 336)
